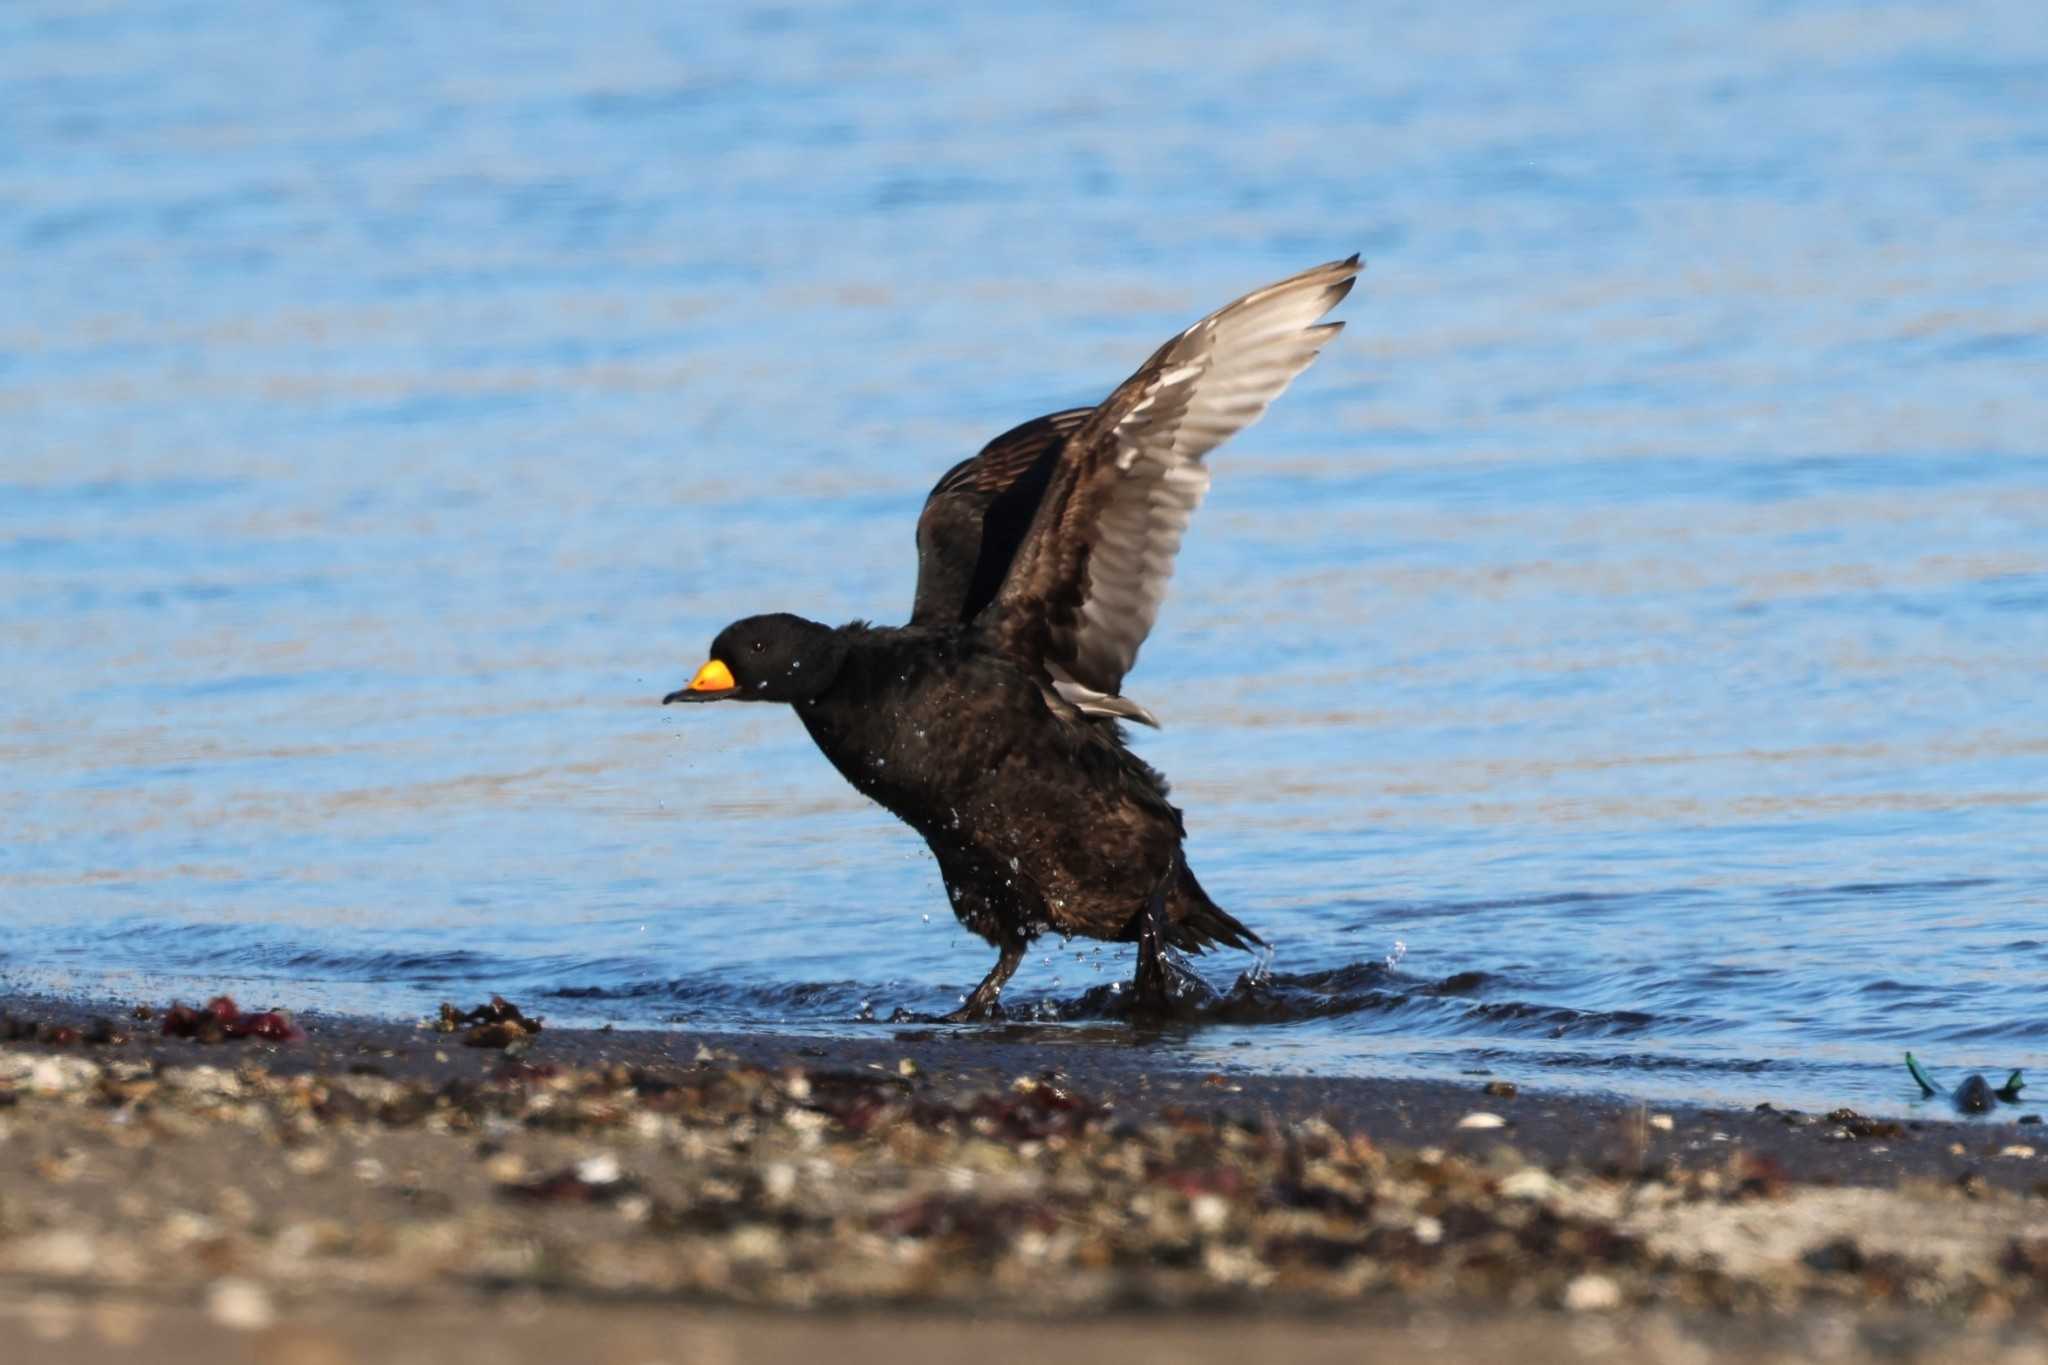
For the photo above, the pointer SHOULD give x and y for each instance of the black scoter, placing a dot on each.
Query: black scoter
(1042, 564)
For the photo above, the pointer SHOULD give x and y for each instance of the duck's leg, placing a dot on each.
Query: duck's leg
(985, 1002)
(1152, 990)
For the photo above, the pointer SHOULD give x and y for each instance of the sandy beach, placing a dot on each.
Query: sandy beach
(702, 1197)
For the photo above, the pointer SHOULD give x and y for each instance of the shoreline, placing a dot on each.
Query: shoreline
(379, 1172)
(1557, 1125)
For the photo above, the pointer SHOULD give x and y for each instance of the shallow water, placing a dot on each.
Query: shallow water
(1633, 628)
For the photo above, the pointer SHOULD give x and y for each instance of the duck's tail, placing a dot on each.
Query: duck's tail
(1198, 922)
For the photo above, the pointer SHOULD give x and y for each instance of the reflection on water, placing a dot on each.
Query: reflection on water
(1640, 613)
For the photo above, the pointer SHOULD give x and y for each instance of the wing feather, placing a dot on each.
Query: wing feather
(1086, 583)
(978, 512)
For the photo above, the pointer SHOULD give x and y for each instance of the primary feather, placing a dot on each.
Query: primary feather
(1085, 585)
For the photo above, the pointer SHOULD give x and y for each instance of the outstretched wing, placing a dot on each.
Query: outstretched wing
(977, 514)
(1085, 586)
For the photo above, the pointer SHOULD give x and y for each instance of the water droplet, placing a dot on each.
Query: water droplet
(1013, 864)
(926, 918)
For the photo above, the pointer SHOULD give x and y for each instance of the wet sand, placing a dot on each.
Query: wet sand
(931, 1191)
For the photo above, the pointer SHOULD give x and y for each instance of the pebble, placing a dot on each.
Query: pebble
(308, 1160)
(1482, 1119)
(1592, 1293)
(203, 1080)
(59, 1075)
(241, 1304)
(506, 1168)
(1531, 1184)
(602, 1169)
(755, 1242)
(62, 1253)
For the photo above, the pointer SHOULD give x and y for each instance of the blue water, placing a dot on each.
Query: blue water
(1634, 629)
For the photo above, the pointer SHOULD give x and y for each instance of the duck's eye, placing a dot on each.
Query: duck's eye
(760, 645)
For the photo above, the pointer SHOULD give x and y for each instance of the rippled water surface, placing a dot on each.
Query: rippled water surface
(1619, 663)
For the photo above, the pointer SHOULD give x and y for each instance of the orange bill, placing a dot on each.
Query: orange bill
(712, 677)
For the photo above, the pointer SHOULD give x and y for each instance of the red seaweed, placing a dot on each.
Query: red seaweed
(221, 1020)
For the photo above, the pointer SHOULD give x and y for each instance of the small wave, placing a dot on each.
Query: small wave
(1632, 1061)
(1587, 901)
(694, 999)
(1891, 987)
(198, 948)
(383, 966)
(1867, 889)
(1555, 1021)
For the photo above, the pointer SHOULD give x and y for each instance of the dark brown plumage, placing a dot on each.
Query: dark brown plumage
(976, 515)
(978, 724)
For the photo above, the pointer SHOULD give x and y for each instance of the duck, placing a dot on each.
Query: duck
(990, 722)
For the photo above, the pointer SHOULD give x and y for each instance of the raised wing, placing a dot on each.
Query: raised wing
(1085, 585)
(977, 514)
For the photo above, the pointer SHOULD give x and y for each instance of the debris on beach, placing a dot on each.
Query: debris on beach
(593, 1180)
(221, 1020)
(1974, 1095)
(97, 1033)
(498, 1024)
(1850, 1124)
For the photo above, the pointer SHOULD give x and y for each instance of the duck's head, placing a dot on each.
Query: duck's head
(767, 658)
